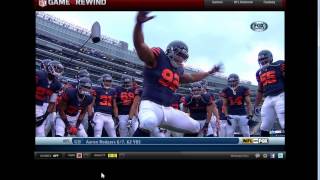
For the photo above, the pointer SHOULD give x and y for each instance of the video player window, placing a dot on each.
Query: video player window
(160, 85)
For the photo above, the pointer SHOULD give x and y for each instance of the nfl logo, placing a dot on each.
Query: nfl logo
(42, 3)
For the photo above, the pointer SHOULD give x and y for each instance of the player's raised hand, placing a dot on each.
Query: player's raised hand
(216, 68)
(142, 17)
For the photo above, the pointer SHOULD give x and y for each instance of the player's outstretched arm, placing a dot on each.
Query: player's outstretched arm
(194, 77)
(143, 51)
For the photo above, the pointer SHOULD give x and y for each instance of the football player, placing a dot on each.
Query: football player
(223, 119)
(134, 111)
(163, 72)
(50, 125)
(234, 98)
(270, 79)
(125, 96)
(72, 108)
(104, 107)
(214, 119)
(47, 88)
(200, 107)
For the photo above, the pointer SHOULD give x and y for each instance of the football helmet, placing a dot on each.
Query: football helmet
(44, 64)
(83, 73)
(55, 68)
(84, 86)
(177, 52)
(233, 80)
(126, 83)
(106, 80)
(196, 89)
(265, 58)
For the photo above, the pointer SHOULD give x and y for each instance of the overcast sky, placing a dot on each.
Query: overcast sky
(212, 37)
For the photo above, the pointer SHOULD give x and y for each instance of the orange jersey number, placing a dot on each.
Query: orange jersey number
(268, 78)
(105, 100)
(126, 98)
(169, 79)
(235, 101)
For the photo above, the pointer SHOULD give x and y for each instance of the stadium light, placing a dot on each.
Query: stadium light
(95, 36)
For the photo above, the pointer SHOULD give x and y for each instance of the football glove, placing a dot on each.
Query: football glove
(250, 121)
(72, 130)
(257, 111)
(228, 120)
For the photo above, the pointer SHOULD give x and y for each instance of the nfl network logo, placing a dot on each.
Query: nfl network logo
(42, 3)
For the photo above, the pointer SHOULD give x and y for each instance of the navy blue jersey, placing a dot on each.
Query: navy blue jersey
(219, 104)
(104, 99)
(74, 104)
(236, 101)
(44, 88)
(177, 99)
(124, 99)
(160, 82)
(270, 78)
(198, 106)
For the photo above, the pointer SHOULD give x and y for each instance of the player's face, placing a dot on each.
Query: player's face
(196, 91)
(264, 62)
(107, 83)
(85, 90)
(179, 60)
(233, 83)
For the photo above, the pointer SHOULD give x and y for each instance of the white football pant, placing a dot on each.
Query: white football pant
(124, 131)
(272, 108)
(105, 121)
(152, 115)
(242, 122)
(61, 127)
